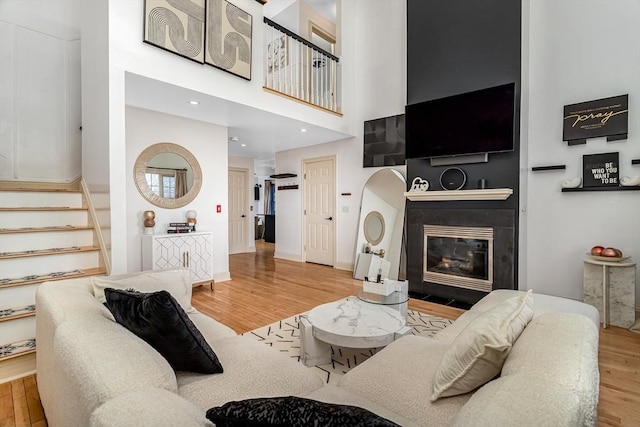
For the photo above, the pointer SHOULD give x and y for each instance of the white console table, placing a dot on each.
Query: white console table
(185, 250)
(611, 288)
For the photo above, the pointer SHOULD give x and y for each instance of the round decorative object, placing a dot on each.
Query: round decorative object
(191, 217)
(572, 183)
(149, 218)
(630, 181)
(453, 179)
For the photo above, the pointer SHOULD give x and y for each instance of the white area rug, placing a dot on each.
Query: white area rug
(284, 336)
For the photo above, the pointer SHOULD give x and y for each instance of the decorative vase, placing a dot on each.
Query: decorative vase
(149, 221)
(191, 219)
(572, 183)
(630, 181)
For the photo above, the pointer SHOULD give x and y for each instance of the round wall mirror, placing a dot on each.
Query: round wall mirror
(374, 227)
(167, 175)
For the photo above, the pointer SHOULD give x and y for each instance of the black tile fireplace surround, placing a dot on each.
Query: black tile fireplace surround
(504, 234)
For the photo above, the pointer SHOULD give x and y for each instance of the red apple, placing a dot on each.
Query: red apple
(611, 252)
(597, 250)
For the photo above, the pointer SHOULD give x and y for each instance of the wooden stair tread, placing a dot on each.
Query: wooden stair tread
(45, 229)
(86, 272)
(42, 209)
(52, 251)
(16, 349)
(17, 313)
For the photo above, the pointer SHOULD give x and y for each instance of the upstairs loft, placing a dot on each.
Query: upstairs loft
(297, 68)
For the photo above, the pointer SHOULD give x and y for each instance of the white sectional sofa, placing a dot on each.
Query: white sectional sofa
(94, 372)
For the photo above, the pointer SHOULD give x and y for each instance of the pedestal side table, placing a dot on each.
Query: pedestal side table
(610, 286)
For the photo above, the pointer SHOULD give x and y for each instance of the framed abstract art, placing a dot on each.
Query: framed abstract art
(228, 38)
(177, 27)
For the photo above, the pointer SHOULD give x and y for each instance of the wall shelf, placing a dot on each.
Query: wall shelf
(288, 187)
(283, 175)
(575, 190)
(548, 168)
(441, 196)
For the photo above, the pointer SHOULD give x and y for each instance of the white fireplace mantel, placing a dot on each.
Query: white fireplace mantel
(440, 196)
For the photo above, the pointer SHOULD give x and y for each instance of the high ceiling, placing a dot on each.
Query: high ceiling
(260, 134)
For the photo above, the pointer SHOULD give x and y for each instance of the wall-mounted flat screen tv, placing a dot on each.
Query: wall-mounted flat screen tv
(470, 123)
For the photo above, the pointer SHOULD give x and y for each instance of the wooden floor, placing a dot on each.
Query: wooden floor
(264, 290)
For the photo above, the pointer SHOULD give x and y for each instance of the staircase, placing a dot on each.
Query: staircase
(46, 234)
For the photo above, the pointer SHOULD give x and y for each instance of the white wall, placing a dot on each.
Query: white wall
(577, 51)
(289, 17)
(40, 85)
(378, 90)
(208, 144)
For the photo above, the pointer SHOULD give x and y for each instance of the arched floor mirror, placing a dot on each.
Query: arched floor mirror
(381, 223)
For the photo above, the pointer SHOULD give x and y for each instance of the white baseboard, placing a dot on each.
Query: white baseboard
(343, 266)
(289, 257)
(221, 277)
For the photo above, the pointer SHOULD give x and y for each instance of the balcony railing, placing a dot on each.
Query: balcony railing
(299, 69)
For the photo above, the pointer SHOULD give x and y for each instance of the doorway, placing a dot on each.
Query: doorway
(237, 210)
(319, 210)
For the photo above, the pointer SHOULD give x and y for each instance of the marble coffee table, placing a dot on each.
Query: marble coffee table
(351, 322)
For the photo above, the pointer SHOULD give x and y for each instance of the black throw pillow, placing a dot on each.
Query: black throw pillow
(158, 319)
(293, 411)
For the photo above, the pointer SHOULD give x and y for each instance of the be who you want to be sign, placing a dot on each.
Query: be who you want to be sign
(600, 170)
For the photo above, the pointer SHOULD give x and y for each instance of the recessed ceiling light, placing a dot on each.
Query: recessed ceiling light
(243, 145)
(194, 102)
(303, 130)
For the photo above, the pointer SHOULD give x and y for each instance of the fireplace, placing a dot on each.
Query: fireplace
(458, 256)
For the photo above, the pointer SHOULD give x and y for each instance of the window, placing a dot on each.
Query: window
(162, 182)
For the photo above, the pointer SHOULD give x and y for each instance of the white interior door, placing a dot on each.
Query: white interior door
(319, 193)
(237, 211)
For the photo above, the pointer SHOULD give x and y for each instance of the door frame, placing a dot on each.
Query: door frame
(245, 244)
(304, 205)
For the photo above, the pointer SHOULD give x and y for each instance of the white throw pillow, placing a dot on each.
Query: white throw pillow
(478, 353)
(177, 282)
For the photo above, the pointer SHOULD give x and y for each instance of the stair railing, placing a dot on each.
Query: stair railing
(96, 226)
(299, 69)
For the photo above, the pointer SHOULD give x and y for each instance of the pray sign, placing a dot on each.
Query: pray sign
(603, 117)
